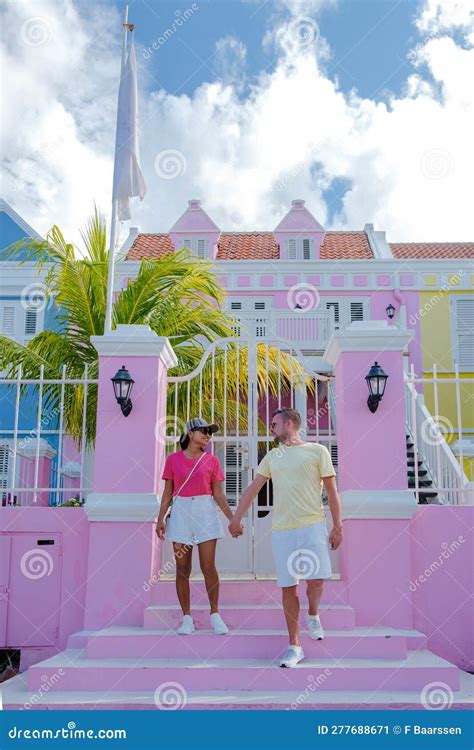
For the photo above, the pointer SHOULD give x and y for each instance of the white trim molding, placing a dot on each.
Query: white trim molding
(122, 506)
(27, 447)
(367, 336)
(377, 504)
(135, 341)
(19, 220)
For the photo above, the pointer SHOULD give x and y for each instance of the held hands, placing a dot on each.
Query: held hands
(235, 528)
(335, 537)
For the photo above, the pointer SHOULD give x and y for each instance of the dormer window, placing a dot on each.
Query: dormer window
(196, 245)
(299, 248)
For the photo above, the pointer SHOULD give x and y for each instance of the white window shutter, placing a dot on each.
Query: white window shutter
(464, 317)
(306, 248)
(187, 243)
(292, 249)
(201, 248)
(356, 311)
(30, 322)
(8, 320)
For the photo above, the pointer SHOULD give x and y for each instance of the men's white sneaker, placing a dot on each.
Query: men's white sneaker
(292, 657)
(218, 624)
(315, 629)
(187, 626)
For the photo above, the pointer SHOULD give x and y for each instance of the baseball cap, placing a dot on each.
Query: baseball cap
(195, 424)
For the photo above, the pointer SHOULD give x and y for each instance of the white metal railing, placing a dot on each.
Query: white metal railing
(429, 444)
(40, 464)
(306, 327)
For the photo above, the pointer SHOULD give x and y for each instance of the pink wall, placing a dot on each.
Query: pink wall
(371, 447)
(137, 462)
(441, 580)
(58, 596)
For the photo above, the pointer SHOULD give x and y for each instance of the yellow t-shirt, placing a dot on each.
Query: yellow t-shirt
(296, 473)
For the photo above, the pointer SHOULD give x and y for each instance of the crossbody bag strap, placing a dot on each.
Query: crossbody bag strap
(189, 475)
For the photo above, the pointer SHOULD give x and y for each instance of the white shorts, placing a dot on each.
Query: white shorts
(301, 554)
(193, 520)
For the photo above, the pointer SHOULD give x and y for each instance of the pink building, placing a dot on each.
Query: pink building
(87, 594)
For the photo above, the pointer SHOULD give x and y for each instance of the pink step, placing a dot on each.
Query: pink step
(70, 670)
(16, 695)
(136, 643)
(245, 592)
(164, 616)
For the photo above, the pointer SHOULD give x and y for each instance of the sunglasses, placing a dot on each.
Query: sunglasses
(204, 430)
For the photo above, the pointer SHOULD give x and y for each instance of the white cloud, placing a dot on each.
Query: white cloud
(409, 160)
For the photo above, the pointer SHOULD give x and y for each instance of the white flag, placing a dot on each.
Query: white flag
(128, 177)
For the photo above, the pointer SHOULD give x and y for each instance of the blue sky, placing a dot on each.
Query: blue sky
(369, 40)
(363, 108)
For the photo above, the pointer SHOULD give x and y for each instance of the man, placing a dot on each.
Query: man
(299, 534)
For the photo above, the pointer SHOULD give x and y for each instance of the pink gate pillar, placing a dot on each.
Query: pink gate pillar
(372, 472)
(129, 457)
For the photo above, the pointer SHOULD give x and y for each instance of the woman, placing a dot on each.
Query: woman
(194, 478)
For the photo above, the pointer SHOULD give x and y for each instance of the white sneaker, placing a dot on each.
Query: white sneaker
(315, 629)
(292, 657)
(218, 624)
(187, 626)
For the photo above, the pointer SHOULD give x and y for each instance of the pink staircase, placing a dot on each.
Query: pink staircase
(125, 667)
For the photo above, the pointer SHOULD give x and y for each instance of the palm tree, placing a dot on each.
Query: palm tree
(177, 295)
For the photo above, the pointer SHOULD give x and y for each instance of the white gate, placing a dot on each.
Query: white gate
(238, 384)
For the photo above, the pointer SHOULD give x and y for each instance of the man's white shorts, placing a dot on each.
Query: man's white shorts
(301, 554)
(193, 520)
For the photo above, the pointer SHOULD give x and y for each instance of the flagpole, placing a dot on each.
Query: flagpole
(113, 226)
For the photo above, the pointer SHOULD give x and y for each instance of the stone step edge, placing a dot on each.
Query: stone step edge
(77, 658)
(15, 692)
(358, 631)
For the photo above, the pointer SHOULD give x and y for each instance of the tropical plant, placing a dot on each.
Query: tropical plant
(177, 295)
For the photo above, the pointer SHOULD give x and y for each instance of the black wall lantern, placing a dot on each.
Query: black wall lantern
(390, 310)
(123, 384)
(376, 380)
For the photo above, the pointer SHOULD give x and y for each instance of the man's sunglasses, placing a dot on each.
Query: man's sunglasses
(204, 430)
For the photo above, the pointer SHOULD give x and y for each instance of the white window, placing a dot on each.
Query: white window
(196, 245)
(299, 248)
(20, 322)
(347, 309)
(462, 326)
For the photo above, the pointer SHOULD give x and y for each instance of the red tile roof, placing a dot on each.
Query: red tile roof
(150, 246)
(440, 250)
(345, 245)
(256, 246)
(336, 246)
(247, 246)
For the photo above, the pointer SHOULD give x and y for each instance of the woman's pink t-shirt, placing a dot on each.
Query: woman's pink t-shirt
(178, 466)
